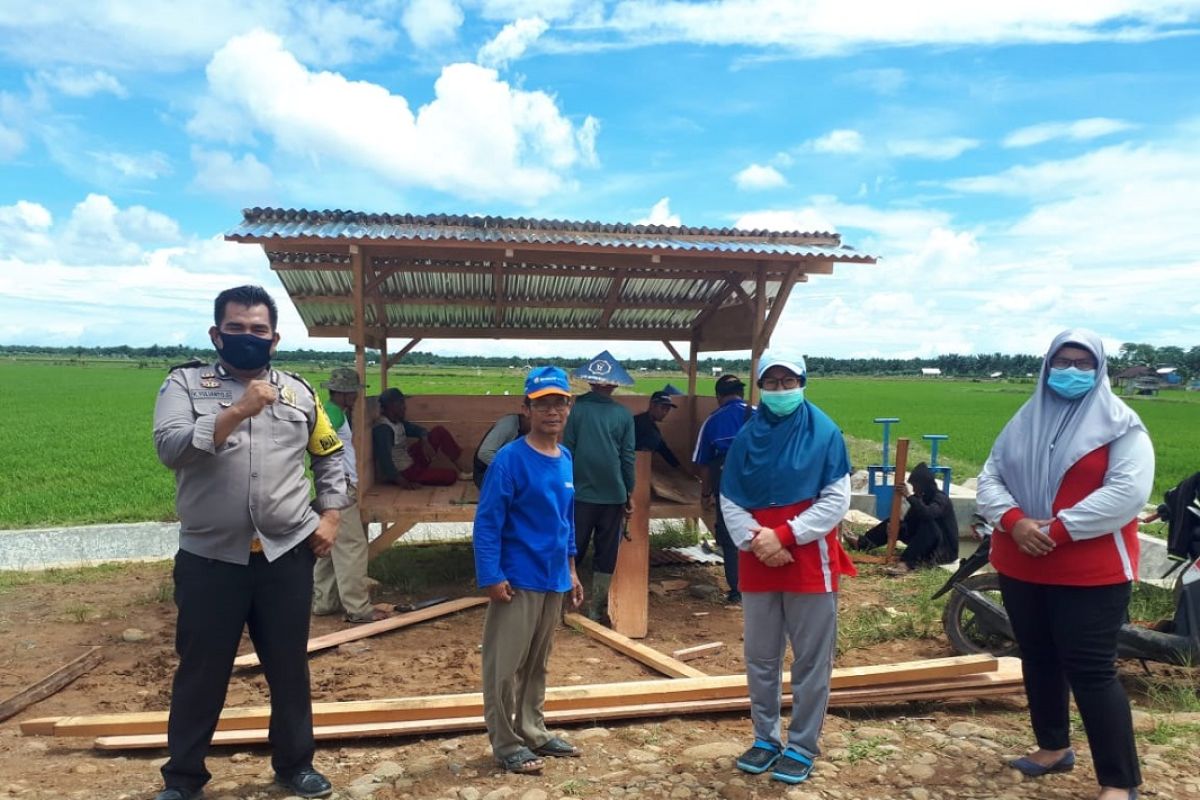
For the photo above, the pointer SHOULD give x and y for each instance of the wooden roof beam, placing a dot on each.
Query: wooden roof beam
(781, 298)
(588, 332)
(683, 365)
(394, 359)
(570, 271)
(500, 292)
(614, 296)
(714, 305)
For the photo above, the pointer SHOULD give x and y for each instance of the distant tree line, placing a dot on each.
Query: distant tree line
(975, 366)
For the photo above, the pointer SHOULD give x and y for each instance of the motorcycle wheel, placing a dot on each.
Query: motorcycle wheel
(967, 636)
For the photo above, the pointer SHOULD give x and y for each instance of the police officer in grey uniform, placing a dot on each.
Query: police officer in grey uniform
(235, 433)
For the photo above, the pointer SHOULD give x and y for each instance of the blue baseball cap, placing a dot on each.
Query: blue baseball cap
(542, 381)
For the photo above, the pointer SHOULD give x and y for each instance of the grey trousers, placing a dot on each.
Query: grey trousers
(517, 637)
(340, 581)
(809, 622)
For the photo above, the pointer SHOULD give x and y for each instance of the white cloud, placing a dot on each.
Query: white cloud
(80, 83)
(586, 137)
(220, 172)
(143, 166)
(12, 143)
(479, 138)
(511, 42)
(432, 22)
(828, 27)
(660, 214)
(836, 141)
(757, 177)
(579, 10)
(151, 35)
(884, 80)
(933, 149)
(1079, 130)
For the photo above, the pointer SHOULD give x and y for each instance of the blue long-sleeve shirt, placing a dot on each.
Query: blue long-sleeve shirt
(525, 522)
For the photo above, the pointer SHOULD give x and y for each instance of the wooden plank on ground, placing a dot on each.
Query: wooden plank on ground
(629, 594)
(967, 687)
(558, 698)
(373, 628)
(42, 726)
(688, 653)
(636, 650)
(40, 690)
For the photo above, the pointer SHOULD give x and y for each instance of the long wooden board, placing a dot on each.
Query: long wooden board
(52, 683)
(969, 687)
(629, 594)
(372, 628)
(652, 658)
(41, 726)
(559, 698)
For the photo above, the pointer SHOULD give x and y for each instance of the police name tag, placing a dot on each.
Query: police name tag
(212, 394)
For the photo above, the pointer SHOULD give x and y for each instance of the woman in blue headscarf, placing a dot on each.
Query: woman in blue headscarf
(1062, 487)
(785, 489)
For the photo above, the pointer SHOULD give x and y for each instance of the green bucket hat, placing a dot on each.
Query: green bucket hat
(343, 379)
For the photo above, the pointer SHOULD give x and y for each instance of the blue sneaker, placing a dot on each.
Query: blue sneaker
(759, 758)
(792, 767)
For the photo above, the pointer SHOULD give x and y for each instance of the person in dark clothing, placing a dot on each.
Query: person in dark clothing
(647, 436)
(712, 443)
(507, 429)
(929, 529)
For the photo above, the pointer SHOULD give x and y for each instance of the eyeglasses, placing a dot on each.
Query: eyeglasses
(544, 404)
(773, 384)
(1085, 363)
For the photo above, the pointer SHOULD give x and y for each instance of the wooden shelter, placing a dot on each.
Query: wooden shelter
(372, 278)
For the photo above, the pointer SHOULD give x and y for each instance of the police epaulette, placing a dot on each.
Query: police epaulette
(300, 378)
(195, 362)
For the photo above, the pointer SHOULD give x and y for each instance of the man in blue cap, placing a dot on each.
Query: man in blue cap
(600, 436)
(712, 443)
(524, 543)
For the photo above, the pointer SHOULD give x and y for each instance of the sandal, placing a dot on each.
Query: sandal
(1027, 766)
(556, 747)
(759, 758)
(521, 761)
(792, 767)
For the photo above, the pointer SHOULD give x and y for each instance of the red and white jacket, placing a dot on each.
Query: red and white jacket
(808, 530)
(1095, 517)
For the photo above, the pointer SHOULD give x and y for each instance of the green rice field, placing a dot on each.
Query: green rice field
(78, 446)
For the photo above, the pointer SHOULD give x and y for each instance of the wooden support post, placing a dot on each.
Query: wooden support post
(50, 684)
(760, 314)
(781, 298)
(629, 594)
(359, 433)
(390, 533)
(383, 364)
(660, 662)
(893, 527)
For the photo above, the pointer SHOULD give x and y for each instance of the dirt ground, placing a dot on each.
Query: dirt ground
(919, 752)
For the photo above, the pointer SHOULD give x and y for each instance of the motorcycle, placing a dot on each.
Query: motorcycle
(975, 620)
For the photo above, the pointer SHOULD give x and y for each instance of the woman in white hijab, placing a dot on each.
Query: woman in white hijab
(1062, 486)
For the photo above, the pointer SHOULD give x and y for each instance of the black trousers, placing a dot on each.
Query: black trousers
(216, 600)
(601, 523)
(1068, 640)
(920, 542)
(729, 550)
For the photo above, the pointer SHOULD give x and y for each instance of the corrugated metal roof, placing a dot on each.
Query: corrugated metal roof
(264, 224)
(597, 283)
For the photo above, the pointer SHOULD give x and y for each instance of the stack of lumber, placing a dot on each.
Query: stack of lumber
(960, 678)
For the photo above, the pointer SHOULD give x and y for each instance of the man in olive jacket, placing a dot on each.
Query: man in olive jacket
(600, 435)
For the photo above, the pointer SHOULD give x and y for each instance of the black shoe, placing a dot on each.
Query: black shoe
(306, 783)
(179, 794)
(733, 598)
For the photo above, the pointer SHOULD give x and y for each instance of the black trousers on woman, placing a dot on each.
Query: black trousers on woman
(1068, 640)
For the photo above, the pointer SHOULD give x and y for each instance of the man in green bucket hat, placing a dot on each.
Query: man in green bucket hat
(340, 581)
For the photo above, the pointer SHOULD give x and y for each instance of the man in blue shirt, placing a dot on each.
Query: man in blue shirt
(712, 443)
(524, 539)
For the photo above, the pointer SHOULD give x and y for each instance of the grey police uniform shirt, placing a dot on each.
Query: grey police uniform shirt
(254, 482)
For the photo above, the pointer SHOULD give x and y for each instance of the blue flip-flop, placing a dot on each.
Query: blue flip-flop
(1027, 766)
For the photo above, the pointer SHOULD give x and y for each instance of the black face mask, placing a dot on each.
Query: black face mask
(245, 350)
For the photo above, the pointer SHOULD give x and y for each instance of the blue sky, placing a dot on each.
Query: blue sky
(1018, 169)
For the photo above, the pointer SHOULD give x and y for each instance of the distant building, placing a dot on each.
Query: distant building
(930, 372)
(995, 375)
(716, 372)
